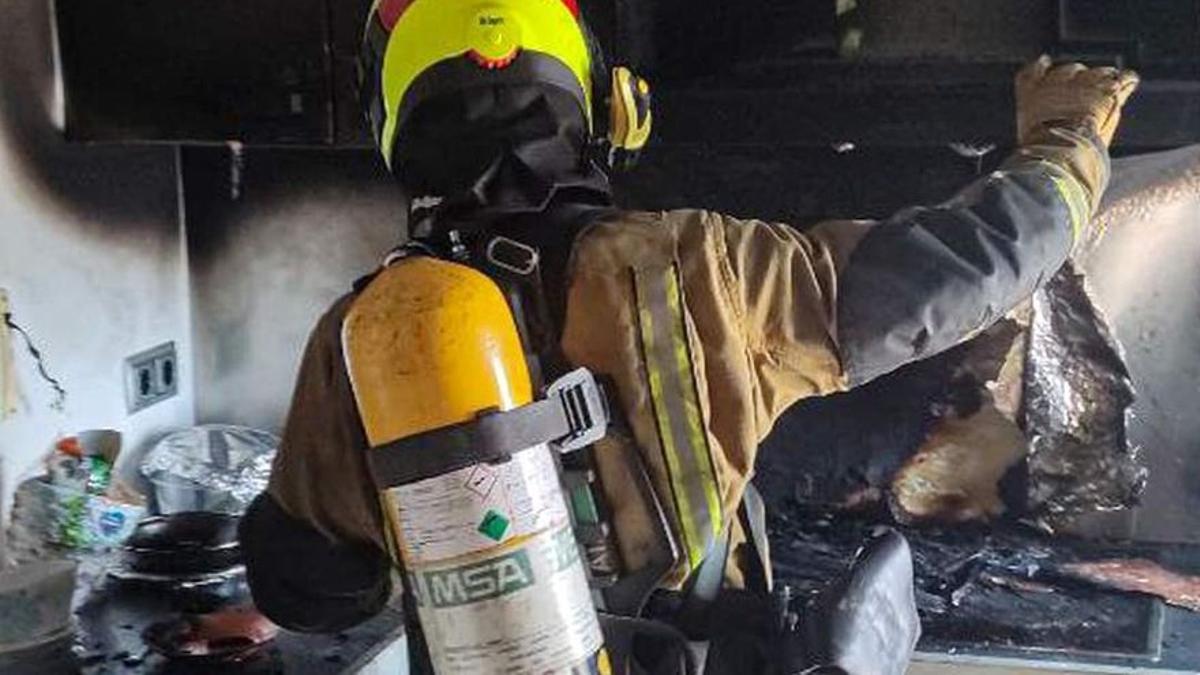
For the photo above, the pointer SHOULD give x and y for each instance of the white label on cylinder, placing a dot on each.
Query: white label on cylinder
(495, 568)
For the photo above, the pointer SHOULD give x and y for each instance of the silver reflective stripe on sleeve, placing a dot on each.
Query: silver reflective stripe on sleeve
(682, 435)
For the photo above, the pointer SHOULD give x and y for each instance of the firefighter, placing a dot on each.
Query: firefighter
(498, 120)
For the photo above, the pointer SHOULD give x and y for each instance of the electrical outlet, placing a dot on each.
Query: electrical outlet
(151, 376)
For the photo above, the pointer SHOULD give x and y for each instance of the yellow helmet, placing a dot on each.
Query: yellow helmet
(417, 50)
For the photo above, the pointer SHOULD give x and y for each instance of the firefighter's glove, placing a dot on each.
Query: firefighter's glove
(1071, 95)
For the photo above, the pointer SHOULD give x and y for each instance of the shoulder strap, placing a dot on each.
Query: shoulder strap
(753, 515)
(703, 593)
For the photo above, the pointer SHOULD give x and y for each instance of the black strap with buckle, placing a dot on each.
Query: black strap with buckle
(574, 414)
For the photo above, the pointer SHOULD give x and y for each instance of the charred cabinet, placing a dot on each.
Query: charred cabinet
(263, 72)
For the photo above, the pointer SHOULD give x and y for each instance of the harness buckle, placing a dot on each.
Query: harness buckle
(585, 408)
(511, 255)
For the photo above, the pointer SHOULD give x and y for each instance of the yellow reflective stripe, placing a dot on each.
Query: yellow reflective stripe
(665, 435)
(1075, 196)
(691, 402)
(1064, 190)
(677, 414)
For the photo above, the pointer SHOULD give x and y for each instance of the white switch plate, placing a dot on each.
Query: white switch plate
(151, 376)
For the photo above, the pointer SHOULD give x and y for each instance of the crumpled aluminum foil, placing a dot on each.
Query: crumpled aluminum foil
(1076, 397)
(209, 468)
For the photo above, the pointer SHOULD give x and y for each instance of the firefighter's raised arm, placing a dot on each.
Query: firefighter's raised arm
(889, 292)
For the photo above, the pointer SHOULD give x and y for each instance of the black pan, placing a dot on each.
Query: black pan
(184, 544)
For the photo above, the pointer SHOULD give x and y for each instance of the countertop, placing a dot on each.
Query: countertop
(1180, 653)
(110, 618)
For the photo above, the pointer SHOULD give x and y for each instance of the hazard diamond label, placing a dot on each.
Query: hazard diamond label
(481, 480)
(494, 525)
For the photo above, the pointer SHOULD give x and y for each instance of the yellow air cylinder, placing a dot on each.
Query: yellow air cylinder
(488, 550)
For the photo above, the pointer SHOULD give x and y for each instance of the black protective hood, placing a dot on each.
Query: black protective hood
(489, 150)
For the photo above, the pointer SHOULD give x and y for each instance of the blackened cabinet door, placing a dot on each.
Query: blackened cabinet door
(256, 71)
